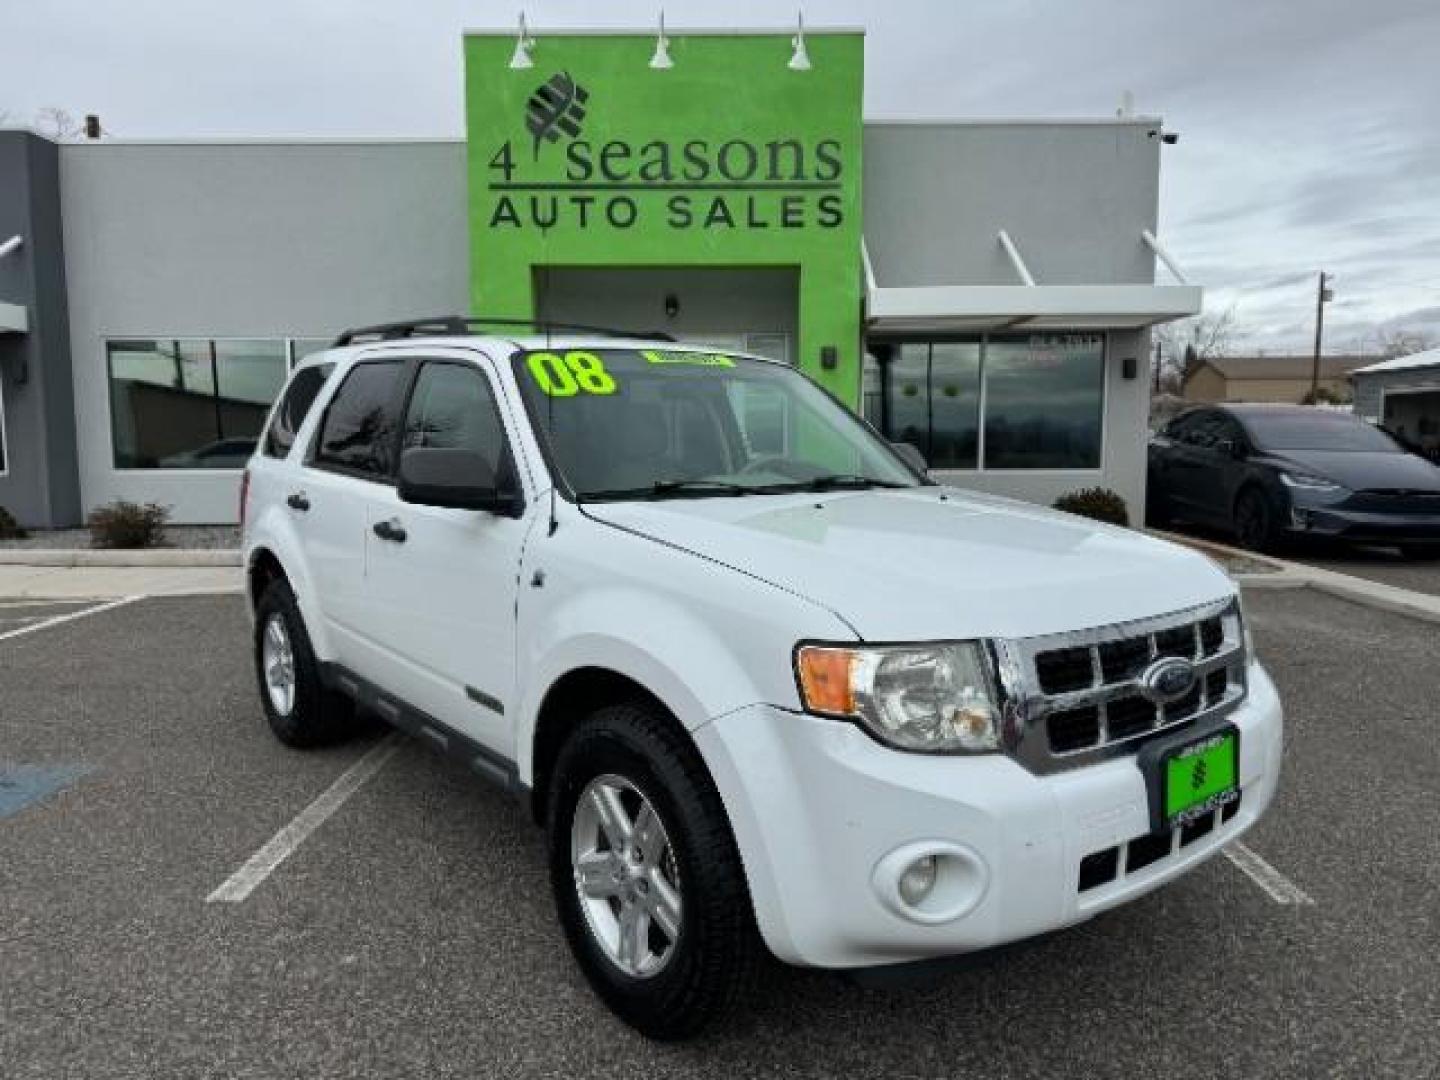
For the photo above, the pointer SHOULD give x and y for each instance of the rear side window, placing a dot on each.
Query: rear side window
(294, 407)
(358, 431)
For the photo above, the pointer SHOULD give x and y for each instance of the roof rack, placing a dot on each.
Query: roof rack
(461, 325)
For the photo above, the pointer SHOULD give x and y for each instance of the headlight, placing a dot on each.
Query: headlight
(936, 698)
(1305, 482)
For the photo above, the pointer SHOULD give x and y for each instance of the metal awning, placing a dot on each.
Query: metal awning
(13, 319)
(958, 308)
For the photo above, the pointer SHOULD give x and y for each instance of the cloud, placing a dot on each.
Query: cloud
(1308, 131)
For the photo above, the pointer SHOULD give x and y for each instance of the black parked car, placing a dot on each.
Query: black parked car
(1269, 471)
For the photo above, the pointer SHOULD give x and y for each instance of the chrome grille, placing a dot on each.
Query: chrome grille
(1075, 698)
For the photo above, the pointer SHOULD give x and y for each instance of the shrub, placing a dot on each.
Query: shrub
(124, 524)
(1099, 503)
(10, 528)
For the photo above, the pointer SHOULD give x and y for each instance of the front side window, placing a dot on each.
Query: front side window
(191, 403)
(357, 433)
(662, 423)
(453, 407)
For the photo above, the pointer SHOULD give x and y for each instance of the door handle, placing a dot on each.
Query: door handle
(298, 500)
(390, 530)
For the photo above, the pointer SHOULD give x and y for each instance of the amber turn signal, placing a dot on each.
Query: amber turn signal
(825, 679)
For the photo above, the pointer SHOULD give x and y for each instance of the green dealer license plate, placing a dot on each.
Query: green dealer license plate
(1200, 777)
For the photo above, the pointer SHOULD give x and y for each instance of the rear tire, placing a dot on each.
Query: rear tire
(302, 711)
(678, 891)
(1254, 520)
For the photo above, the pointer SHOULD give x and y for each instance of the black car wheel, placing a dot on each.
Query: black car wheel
(302, 710)
(647, 877)
(1254, 520)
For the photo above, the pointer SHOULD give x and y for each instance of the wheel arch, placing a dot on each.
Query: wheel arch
(568, 700)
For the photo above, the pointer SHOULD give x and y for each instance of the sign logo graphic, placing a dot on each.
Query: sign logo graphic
(1168, 679)
(556, 108)
(1197, 775)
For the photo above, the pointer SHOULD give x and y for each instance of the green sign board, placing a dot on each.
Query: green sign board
(592, 158)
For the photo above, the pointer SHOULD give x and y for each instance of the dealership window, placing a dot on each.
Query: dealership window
(193, 403)
(1027, 401)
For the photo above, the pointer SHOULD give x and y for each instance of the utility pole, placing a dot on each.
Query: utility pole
(1323, 295)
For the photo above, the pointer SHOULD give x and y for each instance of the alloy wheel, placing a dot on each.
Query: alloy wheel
(277, 659)
(625, 876)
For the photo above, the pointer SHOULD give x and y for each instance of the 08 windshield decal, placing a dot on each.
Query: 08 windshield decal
(567, 374)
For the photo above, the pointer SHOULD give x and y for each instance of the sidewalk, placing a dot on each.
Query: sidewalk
(1292, 575)
(67, 582)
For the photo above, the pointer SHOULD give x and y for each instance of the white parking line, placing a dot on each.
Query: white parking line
(1280, 888)
(282, 845)
(58, 619)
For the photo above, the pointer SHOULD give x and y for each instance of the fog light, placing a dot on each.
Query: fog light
(918, 879)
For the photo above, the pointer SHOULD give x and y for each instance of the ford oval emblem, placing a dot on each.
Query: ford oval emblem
(1168, 679)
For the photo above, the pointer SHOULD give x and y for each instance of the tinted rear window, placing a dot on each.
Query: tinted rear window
(1296, 431)
(294, 407)
(358, 432)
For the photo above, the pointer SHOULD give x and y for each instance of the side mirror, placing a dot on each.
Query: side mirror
(911, 455)
(457, 479)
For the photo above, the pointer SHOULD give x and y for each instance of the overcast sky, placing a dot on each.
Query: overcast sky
(1310, 129)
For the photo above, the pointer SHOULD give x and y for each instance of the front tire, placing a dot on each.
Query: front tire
(302, 711)
(647, 876)
(1254, 520)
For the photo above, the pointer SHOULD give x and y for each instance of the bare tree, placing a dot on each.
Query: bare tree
(1400, 342)
(1185, 345)
(58, 124)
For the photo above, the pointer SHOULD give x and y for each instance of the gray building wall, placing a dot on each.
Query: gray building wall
(1074, 197)
(244, 240)
(40, 484)
(276, 239)
(1371, 389)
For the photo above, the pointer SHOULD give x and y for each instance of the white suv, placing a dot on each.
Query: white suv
(764, 685)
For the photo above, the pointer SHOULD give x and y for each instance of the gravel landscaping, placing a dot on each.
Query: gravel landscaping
(189, 537)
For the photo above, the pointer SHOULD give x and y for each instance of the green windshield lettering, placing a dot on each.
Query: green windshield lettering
(577, 372)
(655, 356)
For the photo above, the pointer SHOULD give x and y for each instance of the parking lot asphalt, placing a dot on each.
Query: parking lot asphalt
(412, 933)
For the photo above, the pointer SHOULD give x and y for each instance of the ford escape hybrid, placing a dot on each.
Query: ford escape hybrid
(764, 685)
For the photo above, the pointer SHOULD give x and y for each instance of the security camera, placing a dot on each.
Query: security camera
(1169, 138)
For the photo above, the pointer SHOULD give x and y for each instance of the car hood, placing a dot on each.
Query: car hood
(933, 563)
(1362, 469)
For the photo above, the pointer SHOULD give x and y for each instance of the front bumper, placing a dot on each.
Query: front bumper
(1363, 526)
(817, 806)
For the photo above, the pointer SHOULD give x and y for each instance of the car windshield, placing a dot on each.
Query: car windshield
(676, 423)
(1297, 431)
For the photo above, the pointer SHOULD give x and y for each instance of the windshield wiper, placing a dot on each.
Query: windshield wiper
(718, 487)
(834, 481)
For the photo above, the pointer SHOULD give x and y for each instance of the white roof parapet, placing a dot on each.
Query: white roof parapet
(1163, 255)
(1015, 260)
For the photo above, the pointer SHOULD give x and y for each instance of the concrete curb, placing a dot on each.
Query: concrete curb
(1289, 575)
(153, 557)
